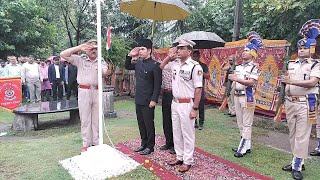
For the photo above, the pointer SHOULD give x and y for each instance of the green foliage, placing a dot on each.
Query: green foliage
(23, 28)
(120, 47)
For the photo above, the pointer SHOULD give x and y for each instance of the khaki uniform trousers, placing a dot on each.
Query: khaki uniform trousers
(88, 103)
(299, 128)
(183, 131)
(231, 102)
(34, 90)
(244, 117)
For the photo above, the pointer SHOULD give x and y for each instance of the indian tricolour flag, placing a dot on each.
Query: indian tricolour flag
(108, 40)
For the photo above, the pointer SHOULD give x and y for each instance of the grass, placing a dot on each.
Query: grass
(35, 154)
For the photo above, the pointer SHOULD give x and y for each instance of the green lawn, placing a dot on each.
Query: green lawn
(35, 155)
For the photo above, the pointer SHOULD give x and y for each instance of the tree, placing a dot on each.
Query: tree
(23, 28)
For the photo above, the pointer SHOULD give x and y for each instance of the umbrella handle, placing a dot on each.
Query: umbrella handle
(152, 31)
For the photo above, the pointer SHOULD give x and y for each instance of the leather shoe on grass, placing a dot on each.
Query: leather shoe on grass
(184, 168)
(175, 162)
(315, 153)
(297, 175)
(146, 151)
(141, 148)
(236, 149)
(289, 168)
(239, 155)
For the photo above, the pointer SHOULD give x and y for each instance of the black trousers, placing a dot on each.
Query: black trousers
(45, 95)
(166, 117)
(57, 90)
(201, 110)
(72, 89)
(145, 116)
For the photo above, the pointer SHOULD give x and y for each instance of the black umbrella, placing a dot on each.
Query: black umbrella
(203, 40)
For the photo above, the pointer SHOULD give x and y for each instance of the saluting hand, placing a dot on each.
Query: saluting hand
(85, 47)
(134, 52)
(152, 104)
(173, 53)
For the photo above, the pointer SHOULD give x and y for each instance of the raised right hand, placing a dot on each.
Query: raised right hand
(173, 53)
(134, 52)
(85, 47)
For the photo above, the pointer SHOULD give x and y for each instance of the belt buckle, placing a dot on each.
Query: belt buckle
(92, 87)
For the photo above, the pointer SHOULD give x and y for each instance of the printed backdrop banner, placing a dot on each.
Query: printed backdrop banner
(10, 92)
(270, 62)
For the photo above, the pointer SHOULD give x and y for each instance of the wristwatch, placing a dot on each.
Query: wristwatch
(195, 108)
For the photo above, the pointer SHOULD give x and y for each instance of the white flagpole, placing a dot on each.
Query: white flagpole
(101, 116)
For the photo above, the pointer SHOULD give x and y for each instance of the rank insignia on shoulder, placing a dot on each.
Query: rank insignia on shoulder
(200, 72)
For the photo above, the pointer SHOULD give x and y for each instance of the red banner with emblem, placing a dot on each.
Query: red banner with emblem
(10, 92)
(269, 61)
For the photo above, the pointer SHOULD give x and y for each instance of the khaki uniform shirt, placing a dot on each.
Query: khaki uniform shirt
(302, 71)
(245, 71)
(186, 77)
(87, 70)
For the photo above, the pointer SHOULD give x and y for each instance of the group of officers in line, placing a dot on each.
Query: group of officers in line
(179, 77)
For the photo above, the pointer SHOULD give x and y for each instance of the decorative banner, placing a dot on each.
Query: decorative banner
(269, 61)
(10, 92)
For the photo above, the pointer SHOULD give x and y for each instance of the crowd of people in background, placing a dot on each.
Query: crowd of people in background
(42, 79)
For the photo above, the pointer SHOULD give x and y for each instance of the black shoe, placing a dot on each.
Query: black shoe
(315, 153)
(232, 115)
(297, 175)
(201, 127)
(164, 147)
(172, 151)
(289, 168)
(196, 126)
(141, 148)
(146, 151)
(236, 149)
(239, 155)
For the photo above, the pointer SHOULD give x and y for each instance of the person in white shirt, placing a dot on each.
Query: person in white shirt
(14, 69)
(3, 69)
(32, 78)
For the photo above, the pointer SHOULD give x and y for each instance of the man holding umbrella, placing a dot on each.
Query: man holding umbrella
(88, 89)
(148, 86)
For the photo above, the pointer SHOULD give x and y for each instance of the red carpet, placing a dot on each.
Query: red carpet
(207, 166)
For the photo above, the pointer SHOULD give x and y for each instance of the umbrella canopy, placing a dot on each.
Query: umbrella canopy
(158, 10)
(203, 40)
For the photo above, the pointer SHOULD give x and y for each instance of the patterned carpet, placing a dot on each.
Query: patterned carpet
(207, 166)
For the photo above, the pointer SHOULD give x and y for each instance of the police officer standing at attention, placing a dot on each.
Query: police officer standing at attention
(245, 78)
(148, 86)
(187, 76)
(88, 89)
(301, 97)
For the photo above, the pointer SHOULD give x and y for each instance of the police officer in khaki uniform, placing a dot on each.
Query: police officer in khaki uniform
(301, 98)
(88, 89)
(245, 78)
(187, 76)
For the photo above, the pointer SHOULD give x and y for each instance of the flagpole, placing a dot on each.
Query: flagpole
(101, 117)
